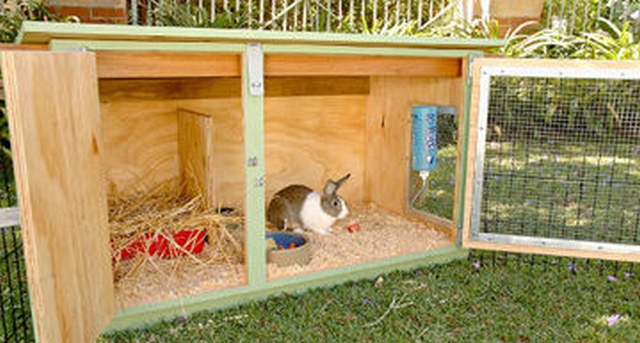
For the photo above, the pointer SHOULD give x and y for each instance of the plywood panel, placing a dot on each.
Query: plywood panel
(195, 150)
(389, 133)
(157, 64)
(228, 153)
(141, 149)
(214, 88)
(312, 139)
(325, 65)
(57, 146)
(307, 140)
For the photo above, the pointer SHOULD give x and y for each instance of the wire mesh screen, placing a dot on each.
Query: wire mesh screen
(562, 159)
(438, 196)
(15, 314)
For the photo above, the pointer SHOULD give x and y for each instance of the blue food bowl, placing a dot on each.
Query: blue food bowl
(300, 254)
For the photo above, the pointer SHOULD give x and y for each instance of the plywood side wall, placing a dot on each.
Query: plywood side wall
(311, 139)
(140, 142)
(388, 137)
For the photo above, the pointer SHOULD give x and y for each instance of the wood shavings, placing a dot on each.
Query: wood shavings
(383, 235)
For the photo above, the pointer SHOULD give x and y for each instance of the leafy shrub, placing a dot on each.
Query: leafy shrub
(609, 42)
(191, 15)
(12, 19)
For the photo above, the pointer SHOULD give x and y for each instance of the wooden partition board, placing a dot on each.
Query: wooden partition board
(57, 149)
(195, 152)
(140, 144)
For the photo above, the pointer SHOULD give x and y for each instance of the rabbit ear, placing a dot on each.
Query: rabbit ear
(332, 186)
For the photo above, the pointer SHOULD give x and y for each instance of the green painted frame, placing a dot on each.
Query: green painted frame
(258, 285)
(35, 32)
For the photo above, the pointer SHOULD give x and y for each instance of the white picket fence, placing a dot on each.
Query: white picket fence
(316, 15)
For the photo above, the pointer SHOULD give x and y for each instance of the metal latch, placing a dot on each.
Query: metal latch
(255, 62)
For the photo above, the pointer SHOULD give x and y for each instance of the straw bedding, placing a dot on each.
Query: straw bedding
(145, 278)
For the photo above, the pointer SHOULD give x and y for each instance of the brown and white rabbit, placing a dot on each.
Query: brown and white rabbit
(299, 207)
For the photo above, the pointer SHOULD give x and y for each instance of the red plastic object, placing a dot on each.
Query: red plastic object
(292, 245)
(353, 227)
(187, 241)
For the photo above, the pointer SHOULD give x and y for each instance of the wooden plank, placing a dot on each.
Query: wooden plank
(555, 63)
(474, 112)
(222, 87)
(463, 90)
(195, 151)
(227, 171)
(158, 64)
(601, 255)
(13, 47)
(56, 141)
(362, 65)
(389, 135)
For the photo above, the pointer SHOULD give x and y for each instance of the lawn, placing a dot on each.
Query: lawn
(556, 300)
(563, 190)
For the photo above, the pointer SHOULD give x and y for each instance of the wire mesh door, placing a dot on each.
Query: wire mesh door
(555, 158)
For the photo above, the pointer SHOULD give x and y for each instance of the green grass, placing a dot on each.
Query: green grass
(456, 302)
(438, 198)
(563, 190)
(14, 305)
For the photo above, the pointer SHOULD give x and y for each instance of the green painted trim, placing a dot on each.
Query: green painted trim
(465, 148)
(360, 50)
(43, 32)
(144, 315)
(101, 45)
(70, 44)
(255, 216)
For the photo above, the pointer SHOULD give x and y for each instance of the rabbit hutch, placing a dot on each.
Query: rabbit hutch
(145, 158)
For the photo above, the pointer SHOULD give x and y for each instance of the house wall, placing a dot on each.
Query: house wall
(91, 11)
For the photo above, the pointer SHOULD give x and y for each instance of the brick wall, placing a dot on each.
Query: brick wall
(91, 11)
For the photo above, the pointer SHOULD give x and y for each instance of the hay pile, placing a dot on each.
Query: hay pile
(161, 213)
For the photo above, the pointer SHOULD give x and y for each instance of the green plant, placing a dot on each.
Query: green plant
(463, 301)
(191, 15)
(461, 28)
(608, 42)
(611, 43)
(13, 17)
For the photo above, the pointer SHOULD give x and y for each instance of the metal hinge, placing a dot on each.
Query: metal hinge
(255, 61)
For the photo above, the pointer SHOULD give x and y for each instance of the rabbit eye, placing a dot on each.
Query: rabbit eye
(335, 203)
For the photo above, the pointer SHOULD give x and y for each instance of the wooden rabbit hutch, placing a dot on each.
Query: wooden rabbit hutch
(237, 115)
